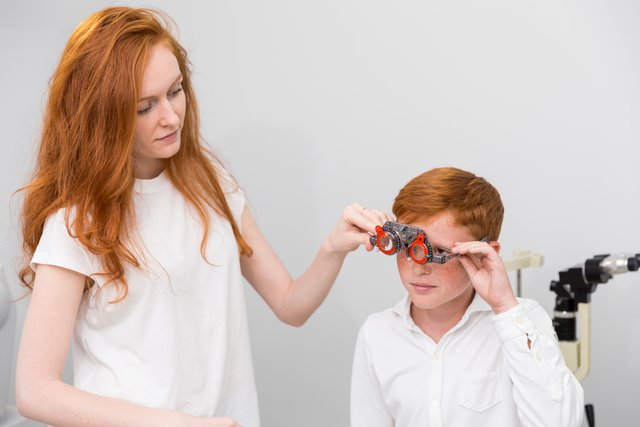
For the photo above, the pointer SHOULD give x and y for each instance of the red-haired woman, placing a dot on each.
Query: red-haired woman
(137, 240)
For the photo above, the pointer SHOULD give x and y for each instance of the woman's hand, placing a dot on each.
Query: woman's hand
(356, 225)
(293, 301)
(487, 273)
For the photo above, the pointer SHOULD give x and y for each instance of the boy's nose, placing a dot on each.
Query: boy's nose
(425, 268)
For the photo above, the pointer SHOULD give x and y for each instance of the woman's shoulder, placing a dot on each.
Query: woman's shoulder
(64, 216)
(62, 223)
(60, 246)
(233, 193)
(227, 181)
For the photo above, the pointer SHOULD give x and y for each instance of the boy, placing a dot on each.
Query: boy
(459, 350)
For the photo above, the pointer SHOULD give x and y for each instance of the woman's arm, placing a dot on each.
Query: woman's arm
(293, 301)
(40, 392)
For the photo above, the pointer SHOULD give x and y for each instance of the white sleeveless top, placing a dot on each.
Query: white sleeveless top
(179, 340)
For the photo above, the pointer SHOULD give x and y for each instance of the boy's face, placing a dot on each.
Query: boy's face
(434, 286)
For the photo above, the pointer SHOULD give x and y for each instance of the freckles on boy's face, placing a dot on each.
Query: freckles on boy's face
(432, 286)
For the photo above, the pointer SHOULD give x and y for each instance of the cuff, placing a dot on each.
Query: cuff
(513, 324)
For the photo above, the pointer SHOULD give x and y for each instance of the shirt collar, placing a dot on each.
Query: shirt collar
(403, 309)
(153, 185)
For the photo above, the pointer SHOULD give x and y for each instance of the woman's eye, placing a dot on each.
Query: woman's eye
(176, 91)
(440, 251)
(145, 109)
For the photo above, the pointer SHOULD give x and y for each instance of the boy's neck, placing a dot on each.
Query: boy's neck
(435, 322)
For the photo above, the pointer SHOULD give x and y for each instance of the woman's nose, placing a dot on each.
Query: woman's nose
(169, 117)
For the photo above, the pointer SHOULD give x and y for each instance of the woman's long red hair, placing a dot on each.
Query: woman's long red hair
(85, 158)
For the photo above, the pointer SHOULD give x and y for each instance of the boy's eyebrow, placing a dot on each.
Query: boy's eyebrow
(435, 245)
(484, 239)
(153, 96)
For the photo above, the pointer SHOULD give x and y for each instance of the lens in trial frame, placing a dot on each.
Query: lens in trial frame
(418, 254)
(419, 251)
(387, 241)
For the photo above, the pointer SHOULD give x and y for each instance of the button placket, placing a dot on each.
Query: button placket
(435, 383)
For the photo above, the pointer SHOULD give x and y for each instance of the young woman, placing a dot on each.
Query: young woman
(136, 240)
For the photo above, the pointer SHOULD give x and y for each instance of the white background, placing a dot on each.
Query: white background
(316, 104)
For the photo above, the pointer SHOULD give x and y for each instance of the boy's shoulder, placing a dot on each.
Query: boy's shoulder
(390, 318)
(383, 316)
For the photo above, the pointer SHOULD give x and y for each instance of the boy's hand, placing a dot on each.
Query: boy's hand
(487, 273)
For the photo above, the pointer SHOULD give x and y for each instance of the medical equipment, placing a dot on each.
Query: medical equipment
(392, 237)
(573, 297)
(573, 308)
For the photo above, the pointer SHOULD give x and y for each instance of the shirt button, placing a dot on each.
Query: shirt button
(434, 402)
(538, 356)
(520, 320)
(436, 356)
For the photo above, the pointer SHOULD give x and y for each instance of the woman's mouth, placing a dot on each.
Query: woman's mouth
(169, 137)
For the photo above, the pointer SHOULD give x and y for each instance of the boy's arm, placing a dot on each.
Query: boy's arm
(368, 408)
(544, 390)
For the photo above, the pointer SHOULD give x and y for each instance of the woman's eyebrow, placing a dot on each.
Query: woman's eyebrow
(153, 96)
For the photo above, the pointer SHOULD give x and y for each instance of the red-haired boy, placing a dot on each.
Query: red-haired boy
(459, 350)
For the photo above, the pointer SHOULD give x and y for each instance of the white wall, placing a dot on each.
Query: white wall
(318, 104)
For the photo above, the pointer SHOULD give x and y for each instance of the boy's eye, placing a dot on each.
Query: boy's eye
(440, 251)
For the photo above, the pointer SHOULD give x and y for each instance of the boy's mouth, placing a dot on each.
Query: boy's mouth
(422, 287)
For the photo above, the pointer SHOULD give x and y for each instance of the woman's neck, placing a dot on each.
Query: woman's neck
(148, 170)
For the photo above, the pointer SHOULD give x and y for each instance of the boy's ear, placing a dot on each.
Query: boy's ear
(495, 245)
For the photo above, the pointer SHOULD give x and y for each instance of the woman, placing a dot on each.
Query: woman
(137, 240)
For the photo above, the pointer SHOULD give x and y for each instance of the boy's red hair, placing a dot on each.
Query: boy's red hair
(473, 202)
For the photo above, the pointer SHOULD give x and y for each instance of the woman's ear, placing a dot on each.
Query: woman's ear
(496, 246)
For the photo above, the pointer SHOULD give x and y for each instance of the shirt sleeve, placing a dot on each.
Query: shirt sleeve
(59, 248)
(545, 391)
(368, 408)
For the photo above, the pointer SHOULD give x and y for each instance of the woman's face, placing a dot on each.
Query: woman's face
(160, 115)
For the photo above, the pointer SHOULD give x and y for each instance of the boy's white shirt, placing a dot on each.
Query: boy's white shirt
(481, 372)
